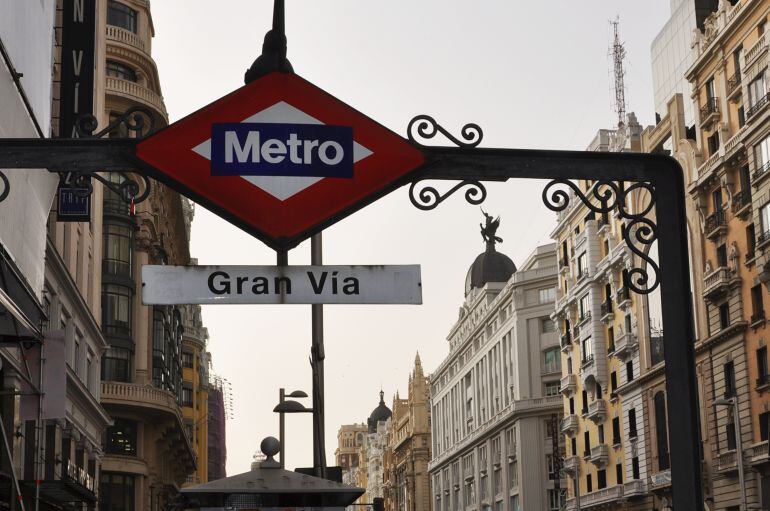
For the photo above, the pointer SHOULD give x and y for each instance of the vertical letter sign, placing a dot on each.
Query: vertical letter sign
(76, 94)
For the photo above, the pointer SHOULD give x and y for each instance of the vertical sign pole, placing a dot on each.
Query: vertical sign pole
(317, 363)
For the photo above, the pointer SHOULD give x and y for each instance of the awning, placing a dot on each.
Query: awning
(61, 491)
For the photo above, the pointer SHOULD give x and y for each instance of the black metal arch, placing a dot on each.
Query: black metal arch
(616, 175)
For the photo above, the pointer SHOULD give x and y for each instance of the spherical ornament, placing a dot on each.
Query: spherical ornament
(270, 446)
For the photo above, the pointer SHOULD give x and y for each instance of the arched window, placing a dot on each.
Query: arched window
(120, 70)
(661, 430)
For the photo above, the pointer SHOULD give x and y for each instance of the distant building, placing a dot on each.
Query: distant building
(406, 483)
(495, 398)
(217, 452)
(350, 438)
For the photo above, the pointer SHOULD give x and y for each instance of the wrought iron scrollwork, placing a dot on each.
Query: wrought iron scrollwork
(426, 127)
(429, 197)
(639, 230)
(127, 189)
(6, 186)
(137, 122)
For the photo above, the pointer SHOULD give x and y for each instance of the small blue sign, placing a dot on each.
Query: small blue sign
(268, 149)
(74, 204)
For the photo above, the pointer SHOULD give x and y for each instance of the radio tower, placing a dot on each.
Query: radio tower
(618, 54)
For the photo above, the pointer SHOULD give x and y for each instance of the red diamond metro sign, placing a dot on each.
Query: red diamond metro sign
(280, 158)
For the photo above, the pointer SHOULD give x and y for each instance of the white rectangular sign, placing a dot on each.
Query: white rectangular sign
(167, 285)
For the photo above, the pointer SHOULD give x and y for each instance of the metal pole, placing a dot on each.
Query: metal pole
(10, 459)
(577, 490)
(39, 432)
(739, 448)
(281, 427)
(317, 363)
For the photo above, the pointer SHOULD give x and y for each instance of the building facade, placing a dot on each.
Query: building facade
(406, 483)
(727, 187)
(605, 332)
(495, 398)
(217, 413)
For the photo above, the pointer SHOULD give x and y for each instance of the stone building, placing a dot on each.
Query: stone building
(350, 439)
(406, 483)
(605, 335)
(495, 397)
(217, 413)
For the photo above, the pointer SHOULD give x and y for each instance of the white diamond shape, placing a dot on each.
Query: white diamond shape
(282, 187)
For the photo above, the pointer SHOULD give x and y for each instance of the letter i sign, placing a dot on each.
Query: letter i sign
(279, 158)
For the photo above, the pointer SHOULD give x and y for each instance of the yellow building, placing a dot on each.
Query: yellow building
(603, 336)
(728, 188)
(195, 395)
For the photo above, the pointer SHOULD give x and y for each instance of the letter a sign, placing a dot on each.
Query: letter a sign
(279, 158)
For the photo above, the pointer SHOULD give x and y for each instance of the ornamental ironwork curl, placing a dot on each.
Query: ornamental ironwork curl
(128, 189)
(426, 128)
(639, 229)
(429, 197)
(5, 186)
(137, 121)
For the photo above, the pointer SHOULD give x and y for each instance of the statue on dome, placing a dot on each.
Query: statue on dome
(490, 228)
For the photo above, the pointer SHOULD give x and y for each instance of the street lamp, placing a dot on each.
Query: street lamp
(733, 401)
(288, 407)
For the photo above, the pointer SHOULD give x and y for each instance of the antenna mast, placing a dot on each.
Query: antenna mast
(618, 54)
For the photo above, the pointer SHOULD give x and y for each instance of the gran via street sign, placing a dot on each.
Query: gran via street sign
(280, 158)
(164, 285)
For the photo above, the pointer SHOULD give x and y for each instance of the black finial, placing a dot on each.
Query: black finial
(273, 56)
(382, 397)
(488, 230)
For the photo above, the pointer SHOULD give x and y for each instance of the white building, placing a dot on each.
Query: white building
(495, 398)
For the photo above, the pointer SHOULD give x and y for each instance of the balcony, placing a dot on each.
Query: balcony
(602, 223)
(576, 332)
(126, 37)
(600, 455)
(571, 464)
(757, 318)
(598, 498)
(760, 173)
(582, 275)
(757, 107)
(584, 318)
(718, 283)
(709, 112)
(568, 384)
(733, 146)
(716, 225)
(755, 51)
(727, 461)
(566, 342)
(597, 411)
(135, 92)
(607, 311)
(624, 298)
(757, 454)
(660, 479)
(588, 367)
(763, 238)
(625, 344)
(742, 203)
(569, 425)
(733, 85)
(634, 488)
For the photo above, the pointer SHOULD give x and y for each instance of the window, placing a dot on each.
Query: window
(582, 263)
(552, 388)
(121, 15)
(611, 338)
(661, 430)
(587, 351)
(116, 492)
(120, 438)
(728, 370)
(632, 423)
(513, 474)
(515, 503)
(470, 494)
(600, 433)
(722, 255)
(757, 308)
(556, 500)
(713, 143)
(635, 467)
(724, 316)
(589, 483)
(710, 90)
(572, 406)
(546, 295)
(187, 396)
(762, 377)
(616, 430)
(187, 359)
(756, 91)
(601, 479)
(586, 443)
(547, 325)
(764, 426)
(764, 217)
(116, 310)
(569, 365)
(730, 434)
(619, 473)
(497, 481)
(584, 307)
(751, 241)
(119, 70)
(552, 360)
(745, 179)
(630, 370)
(584, 409)
(118, 249)
(116, 365)
(613, 382)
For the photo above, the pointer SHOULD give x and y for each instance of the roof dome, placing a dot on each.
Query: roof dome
(380, 414)
(489, 266)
